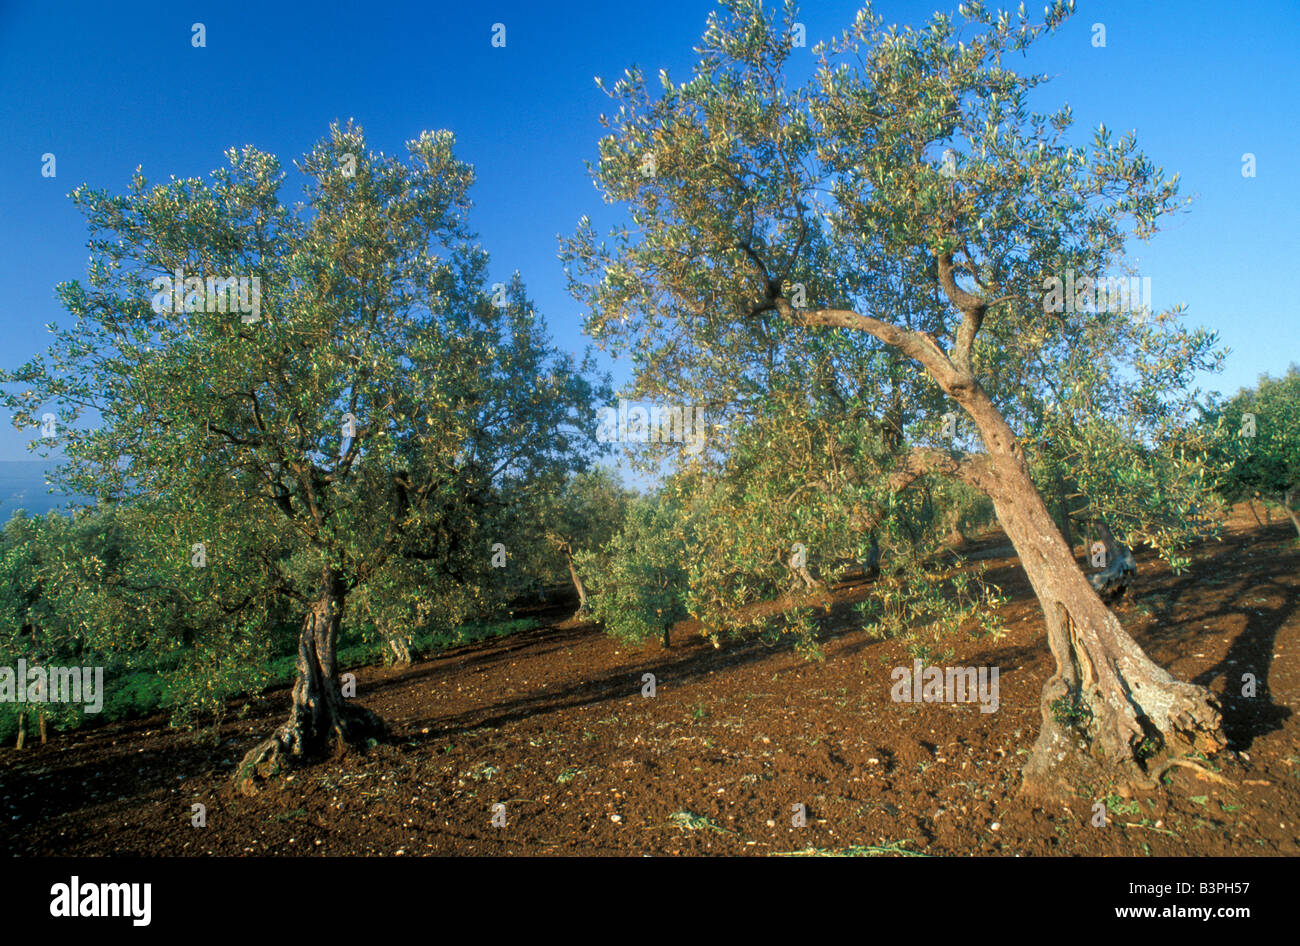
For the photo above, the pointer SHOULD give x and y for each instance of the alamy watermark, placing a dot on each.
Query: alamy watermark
(633, 422)
(133, 900)
(919, 684)
(1086, 294)
(25, 684)
(180, 293)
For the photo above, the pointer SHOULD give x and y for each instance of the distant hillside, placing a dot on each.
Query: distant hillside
(23, 486)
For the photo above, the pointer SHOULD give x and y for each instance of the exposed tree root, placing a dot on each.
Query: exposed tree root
(298, 741)
(1200, 770)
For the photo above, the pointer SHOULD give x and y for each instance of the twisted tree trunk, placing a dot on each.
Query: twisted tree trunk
(1120, 567)
(320, 718)
(564, 546)
(800, 573)
(1106, 693)
(871, 567)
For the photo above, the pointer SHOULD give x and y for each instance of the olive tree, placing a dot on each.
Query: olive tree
(907, 174)
(638, 578)
(1256, 444)
(580, 516)
(338, 374)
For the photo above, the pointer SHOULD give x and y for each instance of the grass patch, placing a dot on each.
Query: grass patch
(689, 821)
(892, 849)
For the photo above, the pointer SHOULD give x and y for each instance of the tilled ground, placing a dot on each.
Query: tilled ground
(553, 726)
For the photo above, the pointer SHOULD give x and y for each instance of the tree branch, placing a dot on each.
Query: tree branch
(917, 345)
(972, 313)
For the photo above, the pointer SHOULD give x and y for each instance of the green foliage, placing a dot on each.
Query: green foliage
(1259, 458)
(803, 483)
(638, 578)
(91, 590)
(926, 607)
(406, 598)
(1146, 748)
(1072, 712)
(786, 479)
(954, 510)
(100, 592)
(1118, 441)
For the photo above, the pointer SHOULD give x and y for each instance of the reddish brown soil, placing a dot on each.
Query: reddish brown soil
(552, 724)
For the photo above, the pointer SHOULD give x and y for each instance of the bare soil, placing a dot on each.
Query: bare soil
(552, 724)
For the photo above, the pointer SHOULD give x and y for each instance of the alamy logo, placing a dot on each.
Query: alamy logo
(636, 423)
(53, 685)
(78, 899)
(1110, 294)
(180, 293)
(946, 685)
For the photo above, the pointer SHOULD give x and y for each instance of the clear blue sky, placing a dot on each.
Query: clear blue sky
(108, 85)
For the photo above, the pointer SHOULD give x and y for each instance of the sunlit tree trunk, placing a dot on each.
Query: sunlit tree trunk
(1105, 693)
(1105, 690)
(1288, 499)
(400, 645)
(578, 586)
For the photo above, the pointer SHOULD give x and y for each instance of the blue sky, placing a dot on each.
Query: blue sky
(108, 86)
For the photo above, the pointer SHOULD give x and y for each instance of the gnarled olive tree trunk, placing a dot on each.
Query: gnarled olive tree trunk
(1120, 568)
(565, 547)
(321, 720)
(1105, 693)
